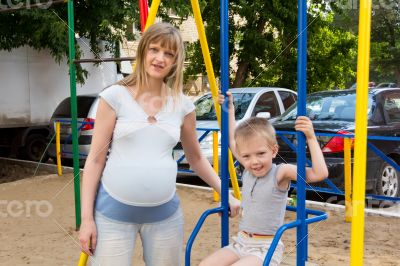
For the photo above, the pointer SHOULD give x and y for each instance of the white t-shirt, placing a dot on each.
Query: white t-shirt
(140, 169)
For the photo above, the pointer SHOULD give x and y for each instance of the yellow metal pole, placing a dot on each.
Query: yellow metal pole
(83, 259)
(58, 149)
(232, 172)
(215, 160)
(152, 13)
(347, 179)
(213, 84)
(357, 226)
(207, 58)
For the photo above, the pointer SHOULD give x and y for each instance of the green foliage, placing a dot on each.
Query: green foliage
(47, 28)
(385, 37)
(263, 45)
(385, 42)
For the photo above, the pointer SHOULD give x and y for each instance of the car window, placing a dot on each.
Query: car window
(205, 106)
(267, 103)
(83, 102)
(329, 106)
(288, 98)
(392, 107)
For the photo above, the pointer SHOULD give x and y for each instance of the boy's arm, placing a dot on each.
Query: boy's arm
(319, 170)
(232, 127)
(232, 122)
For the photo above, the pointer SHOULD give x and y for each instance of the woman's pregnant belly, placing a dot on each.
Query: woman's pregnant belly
(148, 183)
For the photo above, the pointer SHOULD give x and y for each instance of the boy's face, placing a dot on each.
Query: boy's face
(256, 155)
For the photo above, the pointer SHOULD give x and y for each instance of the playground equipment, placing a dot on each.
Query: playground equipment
(359, 180)
(357, 232)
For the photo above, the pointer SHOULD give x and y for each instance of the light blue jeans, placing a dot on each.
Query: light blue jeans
(162, 241)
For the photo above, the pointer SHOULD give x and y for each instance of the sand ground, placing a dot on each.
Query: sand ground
(38, 228)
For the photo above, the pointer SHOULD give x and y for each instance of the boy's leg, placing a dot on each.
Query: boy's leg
(249, 260)
(163, 241)
(115, 242)
(222, 257)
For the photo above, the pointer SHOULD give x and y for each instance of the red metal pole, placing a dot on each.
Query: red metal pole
(144, 12)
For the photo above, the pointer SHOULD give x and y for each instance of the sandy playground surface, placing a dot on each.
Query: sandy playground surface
(46, 236)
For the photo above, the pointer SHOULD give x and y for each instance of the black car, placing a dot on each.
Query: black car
(333, 112)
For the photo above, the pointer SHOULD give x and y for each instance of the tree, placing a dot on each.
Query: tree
(263, 44)
(47, 27)
(385, 41)
(385, 37)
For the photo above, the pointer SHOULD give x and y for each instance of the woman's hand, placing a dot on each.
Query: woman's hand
(88, 237)
(234, 206)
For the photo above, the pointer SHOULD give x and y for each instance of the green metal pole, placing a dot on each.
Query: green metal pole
(74, 124)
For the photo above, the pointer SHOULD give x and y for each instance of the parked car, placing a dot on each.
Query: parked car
(87, 107)
(265, 101)
(386, 85)
(334, 112)
(248, 101)
(371, 85)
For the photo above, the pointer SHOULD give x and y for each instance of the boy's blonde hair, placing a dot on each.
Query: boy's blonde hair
(170, 38)
(256, 126)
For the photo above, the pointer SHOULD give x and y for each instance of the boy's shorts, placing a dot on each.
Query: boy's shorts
(244, 245)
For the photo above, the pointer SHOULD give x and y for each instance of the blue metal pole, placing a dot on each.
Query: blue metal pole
(196, 231)
(302, 239)
(224, 39)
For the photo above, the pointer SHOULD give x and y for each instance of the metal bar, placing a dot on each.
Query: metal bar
(144, 12)
(101, 60)
(320, 215)
(74, 111)
(213, 83)
(360, 145)
(277, 237)
(224, 50)
(233, 176)
(383, 156)
(302, 238)
(58, 149)
(32, 6)
(196, 231)
(83, 258)
(347, 179)
(152, 14)
(215, 161)
(316, 218)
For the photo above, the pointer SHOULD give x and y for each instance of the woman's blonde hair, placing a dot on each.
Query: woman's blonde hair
(169, 37)
(256, 126)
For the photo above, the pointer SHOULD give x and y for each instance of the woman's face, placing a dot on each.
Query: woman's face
(158, 61)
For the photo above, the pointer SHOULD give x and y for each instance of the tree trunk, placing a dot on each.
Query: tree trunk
(241, 74)
(243, 68)
(397, 75)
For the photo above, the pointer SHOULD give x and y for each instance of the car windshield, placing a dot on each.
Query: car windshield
(205, 107)
(328, 106)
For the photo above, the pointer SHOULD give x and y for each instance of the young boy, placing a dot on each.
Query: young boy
(265, 188)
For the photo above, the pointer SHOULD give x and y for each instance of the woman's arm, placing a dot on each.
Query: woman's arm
(102, 133)
(198, 162)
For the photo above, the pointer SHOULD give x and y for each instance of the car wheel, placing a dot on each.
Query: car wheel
(388, 181)
(35, 147)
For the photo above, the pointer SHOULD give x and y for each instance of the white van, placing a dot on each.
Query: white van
(32, 85)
